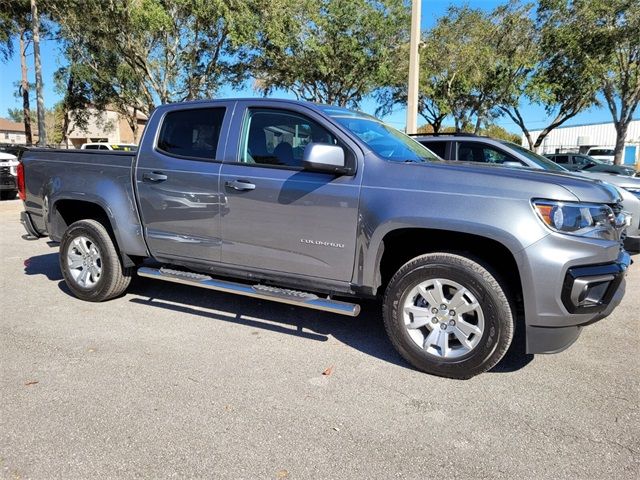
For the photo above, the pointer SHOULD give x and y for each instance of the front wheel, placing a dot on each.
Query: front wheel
(447, 315)
(90, 263)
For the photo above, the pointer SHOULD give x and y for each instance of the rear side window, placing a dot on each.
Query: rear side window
(564, 159)
(91, 147)
(192, 133)
(436, 147)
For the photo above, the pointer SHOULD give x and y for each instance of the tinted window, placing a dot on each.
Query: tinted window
(477, 152)
(191, 133)
(560, 158)
(92, 147)
(103, 147)
(436, 147)
(278, 137)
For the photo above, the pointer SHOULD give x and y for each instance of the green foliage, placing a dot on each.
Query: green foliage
(329, 51)
(602, 38)
(470, 62)
(144, 52)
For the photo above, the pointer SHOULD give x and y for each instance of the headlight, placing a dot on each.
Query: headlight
(583, 219)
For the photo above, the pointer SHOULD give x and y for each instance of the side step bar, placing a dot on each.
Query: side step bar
(264, 292)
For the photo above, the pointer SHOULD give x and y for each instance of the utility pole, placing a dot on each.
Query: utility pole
(35, 19)
(414, 68)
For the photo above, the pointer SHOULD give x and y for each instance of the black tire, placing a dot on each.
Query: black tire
(498, 318)
(113, 280)
(8, 195)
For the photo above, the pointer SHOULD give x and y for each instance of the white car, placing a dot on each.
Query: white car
(122, 147)
(604, 154)
(8, 174)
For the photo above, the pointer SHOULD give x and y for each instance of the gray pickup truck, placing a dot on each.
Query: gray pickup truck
(302, 203)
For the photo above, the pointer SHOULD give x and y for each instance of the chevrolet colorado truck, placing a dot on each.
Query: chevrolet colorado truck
(302, 203)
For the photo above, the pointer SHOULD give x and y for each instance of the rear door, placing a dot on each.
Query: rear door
(468, 151)
(177, 178)
(279, 217)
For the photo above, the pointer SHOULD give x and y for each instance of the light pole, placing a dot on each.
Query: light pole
(414, 68)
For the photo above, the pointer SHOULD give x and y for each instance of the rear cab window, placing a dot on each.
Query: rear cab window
(191, 133)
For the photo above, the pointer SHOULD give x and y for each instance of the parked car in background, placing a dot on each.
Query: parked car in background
(120, 147)
(8, 172)
(604, 154)
(579, 161)
(298, 202)
(479, 149)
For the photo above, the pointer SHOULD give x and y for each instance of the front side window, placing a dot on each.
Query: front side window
(278, 137)
(438, 148)
(192, 133)
(564, 159)
(477, 152)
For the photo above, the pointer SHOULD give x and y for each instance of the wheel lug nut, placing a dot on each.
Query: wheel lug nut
(452, 312)
(443, 326)
(443, 307)
(434, 310)
(434, 320)
(452, 322)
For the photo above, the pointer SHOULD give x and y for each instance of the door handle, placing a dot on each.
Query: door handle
(154, 177)
(240, 185)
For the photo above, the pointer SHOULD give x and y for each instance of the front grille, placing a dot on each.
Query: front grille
(5, 170)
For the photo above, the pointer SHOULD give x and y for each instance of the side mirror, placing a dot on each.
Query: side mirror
(324, 157)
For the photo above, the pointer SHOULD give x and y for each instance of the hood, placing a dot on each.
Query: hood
(534, 183)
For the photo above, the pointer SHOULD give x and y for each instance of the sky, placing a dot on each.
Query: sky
(52, 59)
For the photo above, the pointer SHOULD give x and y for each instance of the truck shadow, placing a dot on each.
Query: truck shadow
(364, 333)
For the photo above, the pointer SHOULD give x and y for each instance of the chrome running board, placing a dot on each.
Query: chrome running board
(264, 292)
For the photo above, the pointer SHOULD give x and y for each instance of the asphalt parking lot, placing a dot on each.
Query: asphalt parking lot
(172, 381)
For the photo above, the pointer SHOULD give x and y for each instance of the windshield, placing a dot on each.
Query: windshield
(539, 160)
(385, 141)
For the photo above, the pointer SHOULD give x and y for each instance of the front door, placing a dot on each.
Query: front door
(279, 217)
(177, 182)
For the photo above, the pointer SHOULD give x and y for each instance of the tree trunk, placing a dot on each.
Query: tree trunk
(621, 135)
(24, 90)
(35, 19)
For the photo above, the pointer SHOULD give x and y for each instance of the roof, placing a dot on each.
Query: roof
(8, 125)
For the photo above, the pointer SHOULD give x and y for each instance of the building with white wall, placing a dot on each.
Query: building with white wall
(579, 138)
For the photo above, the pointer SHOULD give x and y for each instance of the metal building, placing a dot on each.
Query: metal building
(579, 138)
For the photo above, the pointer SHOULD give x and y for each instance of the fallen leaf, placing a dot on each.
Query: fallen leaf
(282, 474)
(32, 382)
(328, 371)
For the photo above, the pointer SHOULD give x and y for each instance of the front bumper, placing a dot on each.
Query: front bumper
(632, 244)
(569, 282)
(8, 182)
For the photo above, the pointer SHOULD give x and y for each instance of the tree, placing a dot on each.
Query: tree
(329, 51)
(15, 20)
(35, 30)
(469, 62)
(605, 36)
(146, 52)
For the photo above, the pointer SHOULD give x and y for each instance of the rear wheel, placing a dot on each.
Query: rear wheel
(90, 263)
(447, 315)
